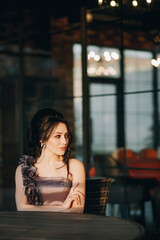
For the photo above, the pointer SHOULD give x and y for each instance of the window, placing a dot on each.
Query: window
(138, 108)
(138, 101)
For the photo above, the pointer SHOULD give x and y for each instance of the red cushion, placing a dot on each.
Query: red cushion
(148, 163)
(129, 155)
(148, 153)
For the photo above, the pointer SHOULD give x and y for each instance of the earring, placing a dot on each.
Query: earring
(43, 145)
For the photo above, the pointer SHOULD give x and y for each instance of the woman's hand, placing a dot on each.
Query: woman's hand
(74, 195)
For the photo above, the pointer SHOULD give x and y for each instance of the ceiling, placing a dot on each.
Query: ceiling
(144, 16)
(146, 13)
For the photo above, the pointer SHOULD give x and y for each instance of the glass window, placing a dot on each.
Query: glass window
(103, 118)
(103, 61)
(138, 106)
(138, 70)
(138, 86)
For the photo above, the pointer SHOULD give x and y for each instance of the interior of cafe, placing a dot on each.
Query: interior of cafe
(98, 62)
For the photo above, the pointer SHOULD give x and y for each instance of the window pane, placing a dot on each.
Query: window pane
(103, 119)
(139, 121)
(103, 61)
(138, 70)
(103, 112)
(138, 107)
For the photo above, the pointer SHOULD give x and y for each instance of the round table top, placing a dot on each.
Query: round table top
(45, 225)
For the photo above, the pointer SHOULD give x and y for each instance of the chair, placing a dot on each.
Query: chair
(97, 192)
(132, 193)
(155, 198)
(106, 165)
(123, 194)
(120, 154)
(148, 153)
(153, 189)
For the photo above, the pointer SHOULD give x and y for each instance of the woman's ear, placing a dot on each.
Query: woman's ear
(43, 145)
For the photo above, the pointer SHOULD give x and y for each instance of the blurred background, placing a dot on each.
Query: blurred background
(97, 62)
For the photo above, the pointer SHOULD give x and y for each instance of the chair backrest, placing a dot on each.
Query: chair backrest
(106, 165)
(148, 153)
(120, 154)
(97, 191)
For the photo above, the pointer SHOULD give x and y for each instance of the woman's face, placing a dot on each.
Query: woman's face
(59, 139)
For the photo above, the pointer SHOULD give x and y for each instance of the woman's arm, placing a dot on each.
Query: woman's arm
(77, 170)
(22, 205)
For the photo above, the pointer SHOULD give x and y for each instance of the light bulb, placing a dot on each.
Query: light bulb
(115, 55)
(108, 58)
(97, 57)
(113, 3)
(98, 72)
(91, 54)
(100, 2)
(135, 3)
(106, 54)
(154, 62)
(91, 70)
(101, 69)
(89, 17)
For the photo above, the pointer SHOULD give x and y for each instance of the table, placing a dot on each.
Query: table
(45, 225)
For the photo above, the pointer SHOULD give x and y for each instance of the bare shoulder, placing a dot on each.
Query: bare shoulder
(77, 168)
(18, 172)
(18, 169)
(73, 162)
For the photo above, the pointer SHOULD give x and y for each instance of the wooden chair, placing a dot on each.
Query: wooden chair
(97, 192)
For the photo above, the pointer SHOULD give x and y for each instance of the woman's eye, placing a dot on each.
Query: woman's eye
(57, 136)
(66, 136)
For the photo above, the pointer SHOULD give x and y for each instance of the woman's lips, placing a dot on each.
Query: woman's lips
(63, 148)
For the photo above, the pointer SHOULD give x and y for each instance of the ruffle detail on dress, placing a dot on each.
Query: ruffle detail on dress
(29, 174)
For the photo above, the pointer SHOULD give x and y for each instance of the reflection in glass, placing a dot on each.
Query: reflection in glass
(138, 70)
(103, 119)
(103, 61)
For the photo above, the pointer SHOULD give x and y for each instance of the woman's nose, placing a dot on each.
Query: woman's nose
(64, 140)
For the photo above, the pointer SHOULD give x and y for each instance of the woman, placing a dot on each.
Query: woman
(47, 179)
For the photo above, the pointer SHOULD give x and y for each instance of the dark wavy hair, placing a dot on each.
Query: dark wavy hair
(40, 128)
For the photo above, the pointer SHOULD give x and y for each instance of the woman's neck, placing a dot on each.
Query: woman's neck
(48, 158)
